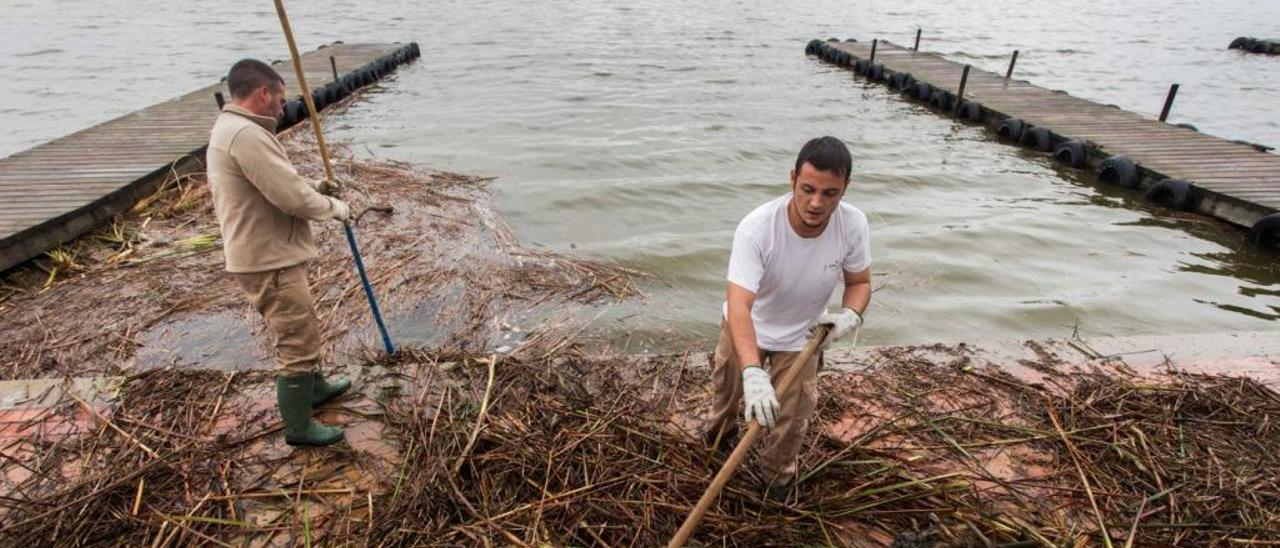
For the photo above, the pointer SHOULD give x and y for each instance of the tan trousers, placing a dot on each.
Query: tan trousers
(783, 441)
(283, 298)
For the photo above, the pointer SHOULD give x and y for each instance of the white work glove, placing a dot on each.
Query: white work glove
(341, 211)
(842, 324)
(757, 392)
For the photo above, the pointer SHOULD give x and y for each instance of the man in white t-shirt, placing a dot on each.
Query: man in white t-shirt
(788, 257)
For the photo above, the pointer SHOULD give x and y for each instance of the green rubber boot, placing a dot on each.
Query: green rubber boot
(325, 391)
(293, 395)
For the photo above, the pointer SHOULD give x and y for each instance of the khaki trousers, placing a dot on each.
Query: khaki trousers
(783, 441)
(283, 298)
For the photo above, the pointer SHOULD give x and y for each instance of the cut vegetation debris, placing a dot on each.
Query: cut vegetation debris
(560, 448)
(154, 277)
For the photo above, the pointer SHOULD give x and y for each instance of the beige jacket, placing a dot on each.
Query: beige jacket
(262, 204)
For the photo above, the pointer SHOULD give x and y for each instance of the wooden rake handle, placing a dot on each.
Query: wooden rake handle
(302, 86)
(740, 452)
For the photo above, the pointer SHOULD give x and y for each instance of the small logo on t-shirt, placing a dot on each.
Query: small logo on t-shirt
(833, 267)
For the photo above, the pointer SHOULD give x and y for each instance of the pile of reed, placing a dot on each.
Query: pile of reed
(549, 446)
(88, 306)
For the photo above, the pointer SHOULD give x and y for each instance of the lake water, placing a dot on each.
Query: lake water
(641, 132)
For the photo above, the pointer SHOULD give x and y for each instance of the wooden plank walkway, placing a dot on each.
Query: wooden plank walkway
(55, 192)
(1232, 181)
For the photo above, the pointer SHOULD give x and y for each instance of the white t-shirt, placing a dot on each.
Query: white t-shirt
(793, 277)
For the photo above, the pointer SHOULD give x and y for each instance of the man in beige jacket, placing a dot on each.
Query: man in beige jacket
(264, 208)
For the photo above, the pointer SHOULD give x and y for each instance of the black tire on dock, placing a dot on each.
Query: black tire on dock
(351, 82)
(1266, 232)
(922, 91)
(1185, 125)
(1260, 46)
(295, 110)
(860, 66)
(943, 99)
(812, 47)
(1242, 42)
(1175, 193)
(850, 39)
(845, 59)
(1039, 138)
(875, 72)
(417, 52)
(1071, 153)
(318, 99)
(1119, 170)
(333, 92)
(971, 110)
(1011, 129)
(902, 81)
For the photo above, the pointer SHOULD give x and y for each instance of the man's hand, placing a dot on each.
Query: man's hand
(842, 324)
(329, 187)
(341, 211)
(757, 392)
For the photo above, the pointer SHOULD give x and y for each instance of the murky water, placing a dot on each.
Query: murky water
(643, 131)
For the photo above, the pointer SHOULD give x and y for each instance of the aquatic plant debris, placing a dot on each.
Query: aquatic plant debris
(566, 447)
(119, 298)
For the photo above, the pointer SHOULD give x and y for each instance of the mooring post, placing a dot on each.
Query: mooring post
(964, 79)
(333, 65)
(217, 97)
(1012, 62)
(917, 46)
(873, 50)
(1168, 102)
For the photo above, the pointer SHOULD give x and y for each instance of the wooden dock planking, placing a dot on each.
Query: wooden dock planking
(1235, 181)
(57, 191)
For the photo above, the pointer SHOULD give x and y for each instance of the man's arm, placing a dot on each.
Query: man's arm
(857, 290)
(741, 330)
(265, 164)
(761, 404)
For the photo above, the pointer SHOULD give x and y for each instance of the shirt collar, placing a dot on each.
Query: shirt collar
(266, 122)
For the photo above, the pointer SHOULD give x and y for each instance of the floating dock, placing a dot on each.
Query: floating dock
(1231, 180)
(58, 191)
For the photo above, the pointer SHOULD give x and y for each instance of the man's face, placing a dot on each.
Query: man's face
(816, 194)
(275, 100)
(266, 101)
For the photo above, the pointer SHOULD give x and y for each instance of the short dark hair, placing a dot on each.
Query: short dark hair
(826, 154)
(248, 75)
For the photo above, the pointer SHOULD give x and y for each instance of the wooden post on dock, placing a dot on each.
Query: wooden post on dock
(1168, 102)
(873, 50)
(218, 98)
(333, 65)
(917, 46)
(964, 79)
(1012, 61)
